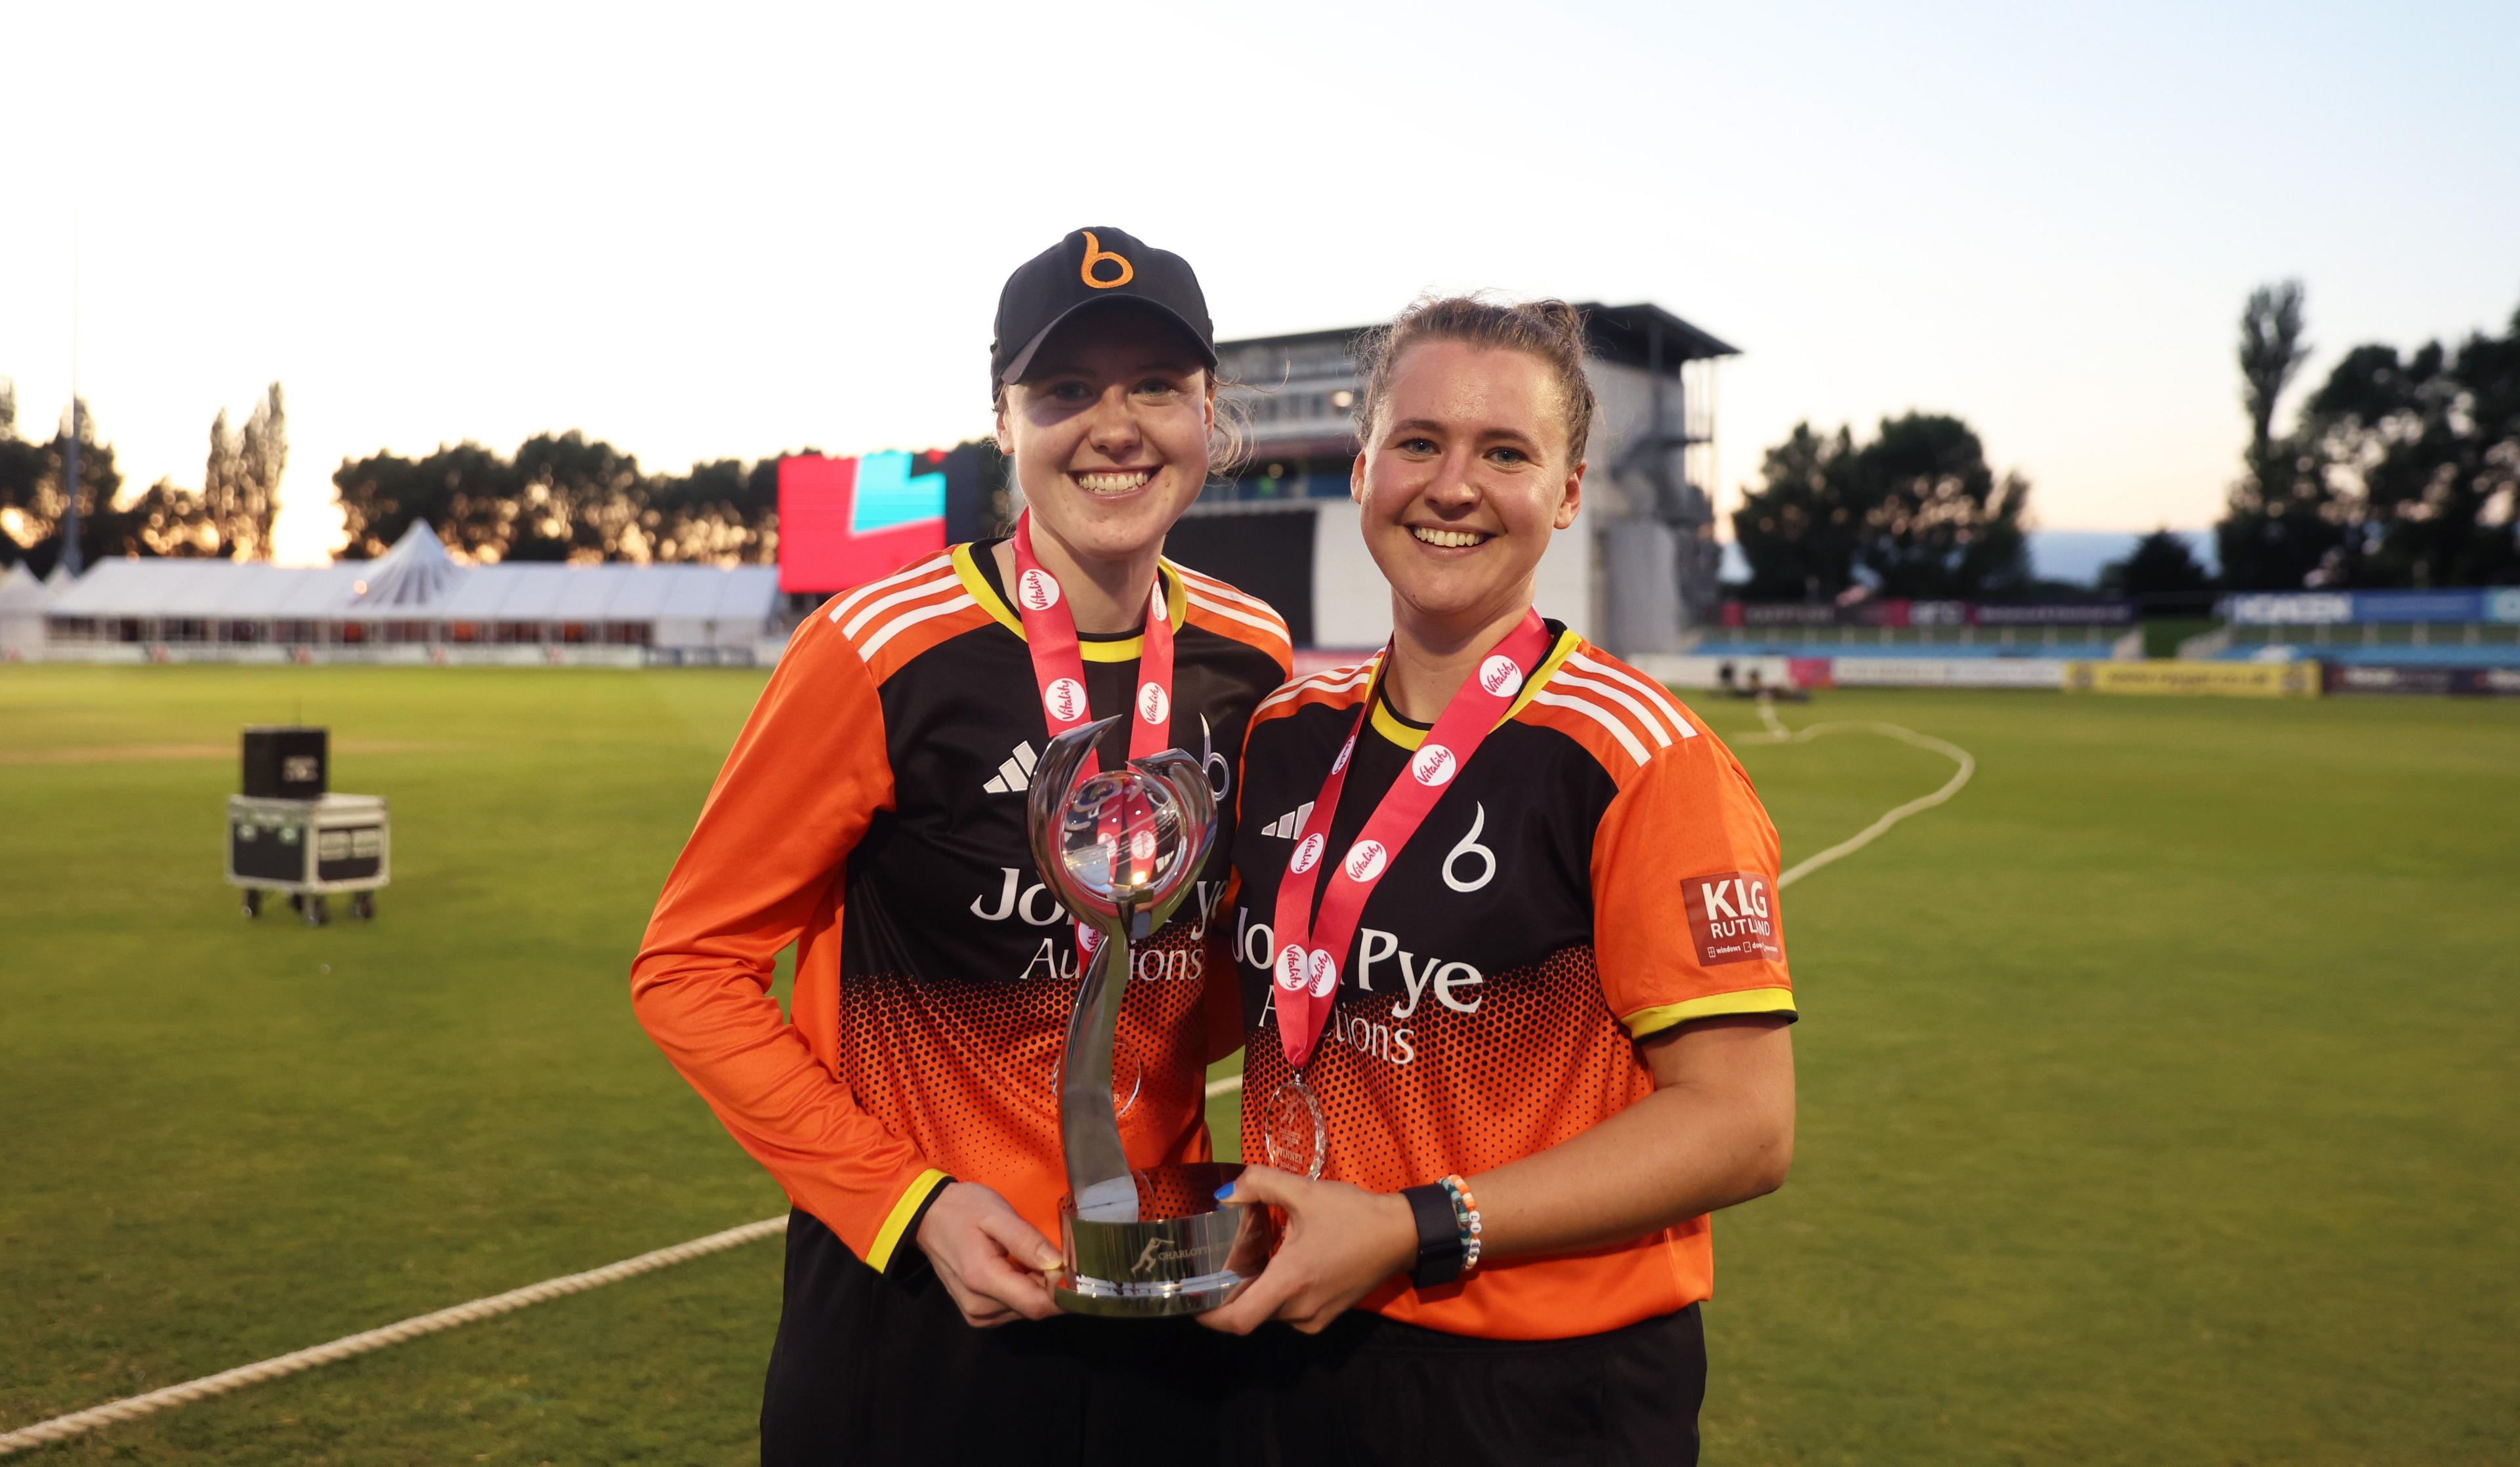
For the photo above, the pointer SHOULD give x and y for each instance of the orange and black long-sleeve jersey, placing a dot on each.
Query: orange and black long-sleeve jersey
(871, 812)
(1599, 872)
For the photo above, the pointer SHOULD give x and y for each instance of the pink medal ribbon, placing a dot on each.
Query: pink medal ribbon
(1305, 969)
(1058, 670)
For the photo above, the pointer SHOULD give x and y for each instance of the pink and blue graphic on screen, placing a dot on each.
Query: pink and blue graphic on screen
(847, 521)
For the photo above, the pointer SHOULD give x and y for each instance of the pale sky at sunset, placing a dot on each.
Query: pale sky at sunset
(718, 231)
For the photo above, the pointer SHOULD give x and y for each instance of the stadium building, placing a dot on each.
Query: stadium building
(2461, 629)
(413, 604)
(23, 600)
(2457, 640)
(1895, 642)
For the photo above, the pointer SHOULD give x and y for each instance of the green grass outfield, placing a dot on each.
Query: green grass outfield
(2158, 1093)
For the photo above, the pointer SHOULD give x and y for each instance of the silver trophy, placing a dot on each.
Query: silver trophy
(1122, 849)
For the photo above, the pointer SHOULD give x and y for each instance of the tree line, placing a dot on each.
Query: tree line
(2401, 469)
(1917, 511)
(563, 496)
(231, 515)
(559, 496)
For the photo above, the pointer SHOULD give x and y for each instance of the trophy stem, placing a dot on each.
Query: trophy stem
(1122, 851)
(1089, 1123)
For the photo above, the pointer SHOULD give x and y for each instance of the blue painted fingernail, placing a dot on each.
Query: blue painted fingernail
(1225, 1194)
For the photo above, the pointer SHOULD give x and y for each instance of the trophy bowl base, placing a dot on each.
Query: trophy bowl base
(1188, 1253)
(1079, 1295)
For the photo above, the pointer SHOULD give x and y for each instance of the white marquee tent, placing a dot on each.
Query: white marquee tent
(414, 605)
(23, 600)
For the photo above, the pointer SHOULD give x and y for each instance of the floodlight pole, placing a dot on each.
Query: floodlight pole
(70, 555)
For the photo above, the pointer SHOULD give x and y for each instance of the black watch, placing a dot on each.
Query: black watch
(1439, 1237)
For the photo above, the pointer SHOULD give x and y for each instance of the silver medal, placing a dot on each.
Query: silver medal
(1294, 1131)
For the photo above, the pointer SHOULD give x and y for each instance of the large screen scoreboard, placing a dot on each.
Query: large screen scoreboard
(847, 521)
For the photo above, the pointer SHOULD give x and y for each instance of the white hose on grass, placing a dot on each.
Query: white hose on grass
(131, 1408)
(1776, 733)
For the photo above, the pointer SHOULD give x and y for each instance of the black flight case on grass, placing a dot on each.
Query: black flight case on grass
(286, 833)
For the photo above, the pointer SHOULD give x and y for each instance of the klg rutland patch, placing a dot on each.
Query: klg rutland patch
(1734, 917)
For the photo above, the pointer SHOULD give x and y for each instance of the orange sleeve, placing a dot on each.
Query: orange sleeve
(1685, 922)
(769, 857)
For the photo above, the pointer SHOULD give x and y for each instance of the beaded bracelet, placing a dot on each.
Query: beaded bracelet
(1465, 1216)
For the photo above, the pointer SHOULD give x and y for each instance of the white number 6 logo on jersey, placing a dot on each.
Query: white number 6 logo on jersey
(1470, 850)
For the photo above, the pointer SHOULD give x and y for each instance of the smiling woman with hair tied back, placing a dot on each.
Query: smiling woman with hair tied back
(1507, 921)
(873, 814)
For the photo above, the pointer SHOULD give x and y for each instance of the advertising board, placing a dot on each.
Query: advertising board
(2420, 605)
(1955, 672)
(1779, 614)
(1897, 613)
(2290, 609)
(2059, 614)
(2245, 680)
(2472, 682)
(2420, 680)
(2312, 608)
(1688, 671)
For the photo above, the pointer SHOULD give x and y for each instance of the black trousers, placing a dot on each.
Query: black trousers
(1373, 1391)
(870, 1368)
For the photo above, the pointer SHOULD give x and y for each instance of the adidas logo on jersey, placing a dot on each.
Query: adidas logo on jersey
(1290, 825)
(1015, 777)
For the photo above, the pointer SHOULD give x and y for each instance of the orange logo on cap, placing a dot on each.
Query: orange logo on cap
(1094, 255)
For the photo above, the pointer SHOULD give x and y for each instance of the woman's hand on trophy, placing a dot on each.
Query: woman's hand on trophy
(992, 1261)
(1341, 1242)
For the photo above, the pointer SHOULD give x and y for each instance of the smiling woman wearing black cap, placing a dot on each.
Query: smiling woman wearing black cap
(872, 814)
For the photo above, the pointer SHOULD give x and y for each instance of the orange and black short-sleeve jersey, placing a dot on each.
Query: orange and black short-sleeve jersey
(871, 812)
(1599, 872)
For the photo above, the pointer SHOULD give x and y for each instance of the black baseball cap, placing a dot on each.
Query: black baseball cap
(1092, 269)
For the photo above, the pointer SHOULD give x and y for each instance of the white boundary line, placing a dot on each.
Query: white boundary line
(129, 1409)
(1777, 732)
(62, 1428)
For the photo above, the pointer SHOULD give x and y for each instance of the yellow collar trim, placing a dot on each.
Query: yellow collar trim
(1567, 642)
(1388, 724)
(1122, 649)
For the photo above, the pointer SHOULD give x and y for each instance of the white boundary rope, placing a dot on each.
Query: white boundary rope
(129, 1409)
(1777, 732)
(62, 1428)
